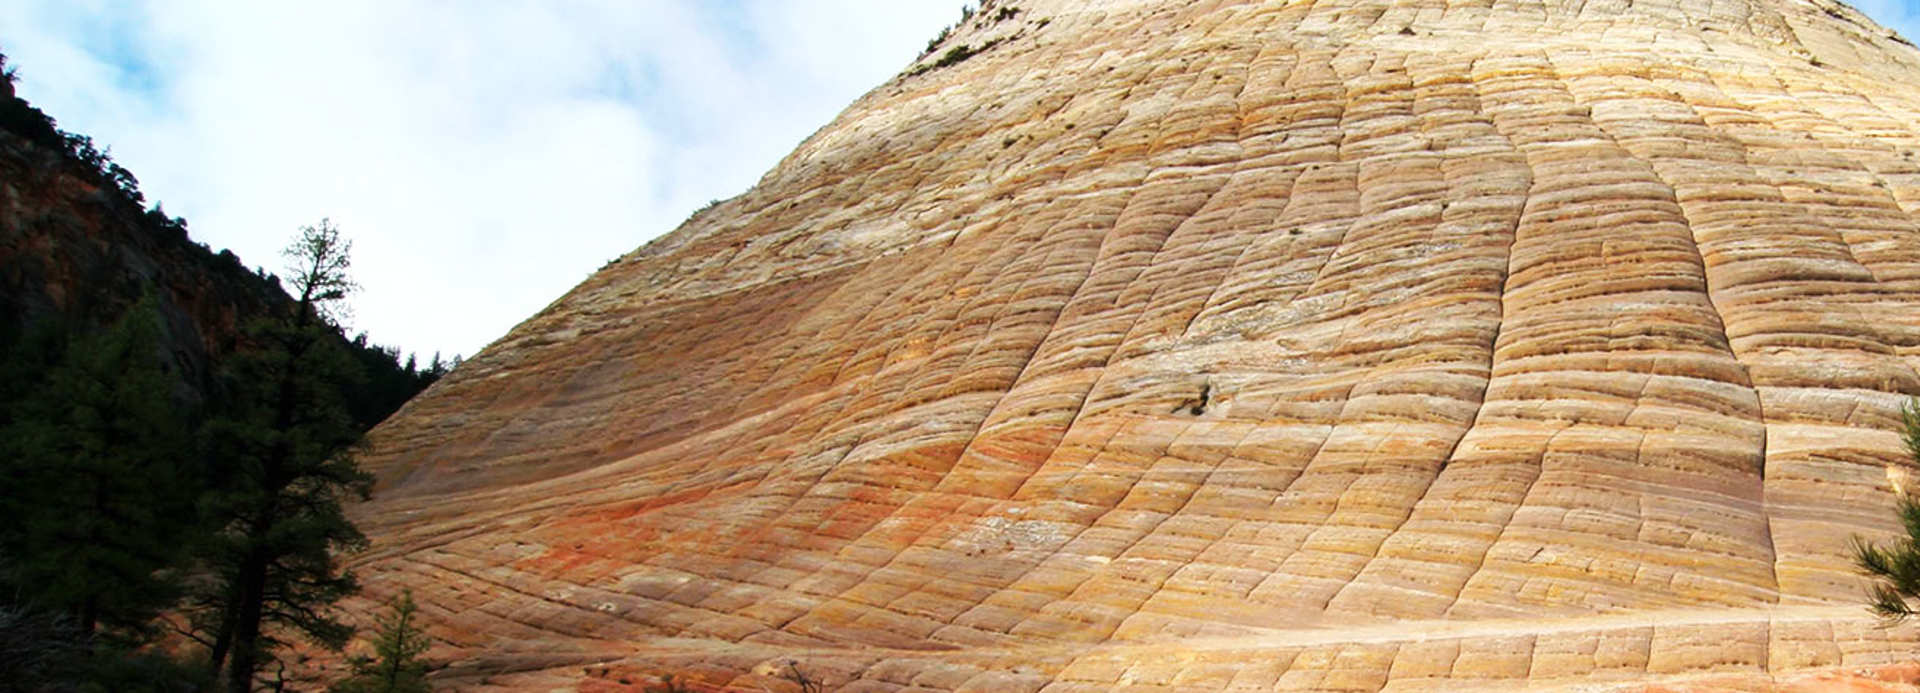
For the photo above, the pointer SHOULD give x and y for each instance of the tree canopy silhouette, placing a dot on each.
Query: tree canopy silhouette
(100, 479)
(284, 440)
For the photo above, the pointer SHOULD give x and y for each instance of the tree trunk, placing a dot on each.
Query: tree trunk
(250, 596)
(222, 639)
(90, 608)
(246, 630)
(89, 621)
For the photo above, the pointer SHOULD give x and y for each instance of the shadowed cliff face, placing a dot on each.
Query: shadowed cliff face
(75, 253)
(1250, 345)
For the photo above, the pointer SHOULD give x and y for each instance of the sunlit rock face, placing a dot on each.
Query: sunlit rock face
(1352, 344)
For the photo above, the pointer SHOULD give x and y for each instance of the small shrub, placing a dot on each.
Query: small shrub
(37, 648)
(937, 39)
(966, 13)
(955, 56)
(708, 207)
(151, 672)
(1896, 568)
(395, 666)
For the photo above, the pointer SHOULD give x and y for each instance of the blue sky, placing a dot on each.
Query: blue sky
(1899, 15)
(483, 156)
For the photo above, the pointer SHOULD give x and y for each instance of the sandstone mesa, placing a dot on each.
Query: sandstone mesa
(1190, 346)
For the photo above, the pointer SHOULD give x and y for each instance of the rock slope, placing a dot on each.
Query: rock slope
(1225, 345)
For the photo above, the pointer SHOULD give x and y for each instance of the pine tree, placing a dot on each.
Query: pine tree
(1896, 567)
(283, 443)
(395, 666)
(100, 487)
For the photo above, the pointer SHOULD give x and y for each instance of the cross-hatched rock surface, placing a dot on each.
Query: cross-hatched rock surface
(1225, 345)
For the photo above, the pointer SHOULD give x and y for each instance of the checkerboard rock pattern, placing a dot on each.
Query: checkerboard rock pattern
(1225, 345)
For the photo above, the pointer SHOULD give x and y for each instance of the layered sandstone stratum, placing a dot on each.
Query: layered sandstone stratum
(1194, 346)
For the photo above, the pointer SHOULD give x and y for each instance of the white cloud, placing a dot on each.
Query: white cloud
(484, 158)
